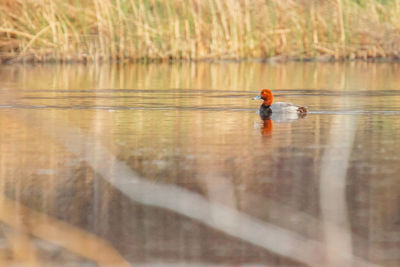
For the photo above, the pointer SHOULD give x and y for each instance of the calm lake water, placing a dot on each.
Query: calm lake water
(170, 165)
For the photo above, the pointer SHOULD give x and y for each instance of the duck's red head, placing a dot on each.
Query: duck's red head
(265, 95)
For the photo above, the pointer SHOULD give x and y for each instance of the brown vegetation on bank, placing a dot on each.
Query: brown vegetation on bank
(126, 30)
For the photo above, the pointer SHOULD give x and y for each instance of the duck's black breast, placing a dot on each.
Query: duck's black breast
(265, 111)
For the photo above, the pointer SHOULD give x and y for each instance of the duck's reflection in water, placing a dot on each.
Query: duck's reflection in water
(267, 127)
(268, 120)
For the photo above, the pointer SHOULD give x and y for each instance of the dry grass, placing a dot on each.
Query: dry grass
(124, 30)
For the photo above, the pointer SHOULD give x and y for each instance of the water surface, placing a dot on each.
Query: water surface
(170, 164)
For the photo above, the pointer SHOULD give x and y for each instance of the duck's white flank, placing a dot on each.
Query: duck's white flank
(283, 107)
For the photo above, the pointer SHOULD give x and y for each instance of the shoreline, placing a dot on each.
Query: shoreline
(267, 60)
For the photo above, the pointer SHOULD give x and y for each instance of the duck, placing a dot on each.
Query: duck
(267, 109)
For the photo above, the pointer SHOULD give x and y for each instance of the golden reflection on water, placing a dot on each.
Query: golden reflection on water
(221, 76)
(23, 248)
(177, 166)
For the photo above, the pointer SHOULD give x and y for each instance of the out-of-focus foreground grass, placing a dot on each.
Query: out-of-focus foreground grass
(102, 30)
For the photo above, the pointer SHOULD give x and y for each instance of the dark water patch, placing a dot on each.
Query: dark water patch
(331, 92)
(103, 97)
(213, 93)
(153, 106)
(94, 90)
(355, 112)
(126, 108)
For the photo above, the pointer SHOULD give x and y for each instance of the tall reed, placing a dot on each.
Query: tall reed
(124, 30)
